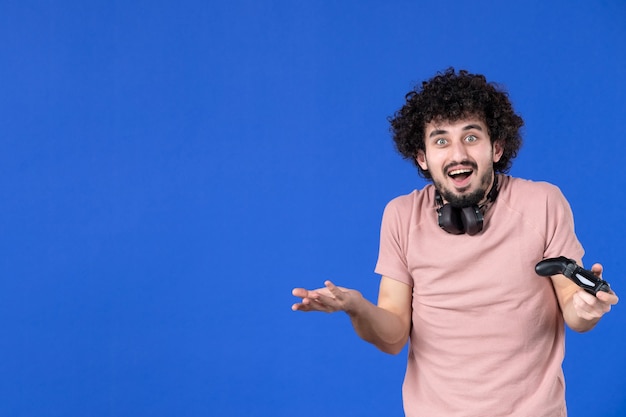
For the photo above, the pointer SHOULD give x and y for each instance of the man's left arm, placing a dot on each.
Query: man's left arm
(581, 310)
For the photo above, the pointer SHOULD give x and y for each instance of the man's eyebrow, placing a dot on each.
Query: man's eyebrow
(437, 132)
(465, 128)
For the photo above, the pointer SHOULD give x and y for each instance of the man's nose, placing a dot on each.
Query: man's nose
(459, 151)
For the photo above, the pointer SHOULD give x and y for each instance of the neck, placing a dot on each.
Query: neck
(491, 196)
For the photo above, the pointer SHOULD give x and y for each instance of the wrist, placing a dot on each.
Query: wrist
(354, 303)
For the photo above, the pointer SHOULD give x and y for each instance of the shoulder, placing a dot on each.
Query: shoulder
(519, 191)
(407, 203)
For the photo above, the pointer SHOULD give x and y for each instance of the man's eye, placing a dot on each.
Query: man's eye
(471, 138)
(441, 141)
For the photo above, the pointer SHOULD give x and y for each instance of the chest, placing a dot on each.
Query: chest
(492, 269)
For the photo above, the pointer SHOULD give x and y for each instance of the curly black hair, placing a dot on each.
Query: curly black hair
(450, 97)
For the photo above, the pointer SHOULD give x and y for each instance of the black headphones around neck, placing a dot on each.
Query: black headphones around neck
(468, 220)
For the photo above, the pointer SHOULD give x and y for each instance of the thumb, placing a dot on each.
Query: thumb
(597, 270)
(334, 290)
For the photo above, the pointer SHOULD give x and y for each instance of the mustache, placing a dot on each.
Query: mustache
(465, 163)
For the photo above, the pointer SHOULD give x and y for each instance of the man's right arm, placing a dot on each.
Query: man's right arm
(386, 325)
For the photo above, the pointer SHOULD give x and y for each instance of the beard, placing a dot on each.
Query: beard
(466, 200)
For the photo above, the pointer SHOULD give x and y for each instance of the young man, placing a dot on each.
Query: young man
(457, 258)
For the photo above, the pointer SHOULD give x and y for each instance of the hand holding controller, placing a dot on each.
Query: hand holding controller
(568, 267)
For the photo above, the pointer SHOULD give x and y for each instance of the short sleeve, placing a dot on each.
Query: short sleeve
(394, 231)
(560, 233)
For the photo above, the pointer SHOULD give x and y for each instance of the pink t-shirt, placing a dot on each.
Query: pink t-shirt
(487, 336)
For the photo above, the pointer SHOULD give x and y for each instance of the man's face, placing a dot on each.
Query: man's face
(459, 156)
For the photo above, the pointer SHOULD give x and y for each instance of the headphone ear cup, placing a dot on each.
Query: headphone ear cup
(472, 219)
(450, 220)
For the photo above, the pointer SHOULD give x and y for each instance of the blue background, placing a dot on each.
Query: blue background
(170, 170)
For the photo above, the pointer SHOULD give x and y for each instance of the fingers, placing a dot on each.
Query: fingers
(311, 300)
(589, 307)
(597, 270)
(336, 292)
(327, 299)
(608, 297)
(305, 305)
(300, 292)
(309, 304)
(584, 306)
(307, 299)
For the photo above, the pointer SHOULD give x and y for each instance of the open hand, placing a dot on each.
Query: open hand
(328, 299)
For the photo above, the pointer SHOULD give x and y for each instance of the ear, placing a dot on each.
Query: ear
(421, 159)
(498, 150)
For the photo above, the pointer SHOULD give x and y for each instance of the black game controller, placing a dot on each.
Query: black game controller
(584, 278)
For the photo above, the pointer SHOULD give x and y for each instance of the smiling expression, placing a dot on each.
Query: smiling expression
(460, 156)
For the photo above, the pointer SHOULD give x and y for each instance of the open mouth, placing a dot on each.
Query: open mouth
(460, 175)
